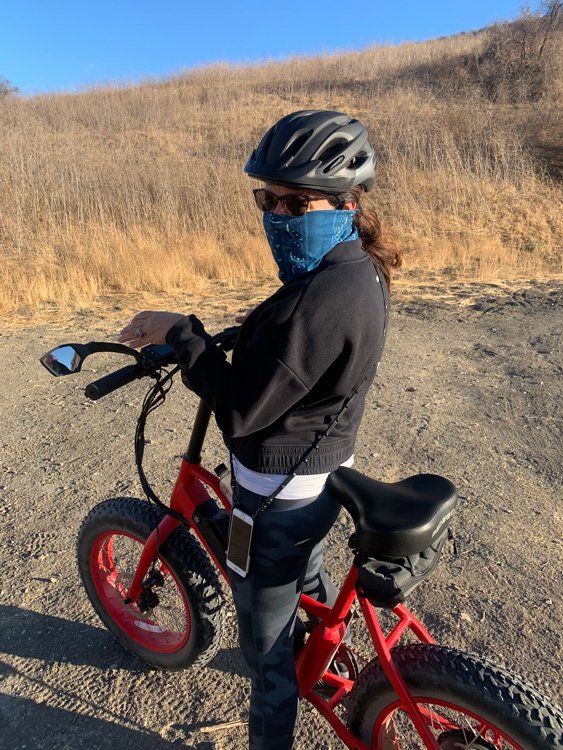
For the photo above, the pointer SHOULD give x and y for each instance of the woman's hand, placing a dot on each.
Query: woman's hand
(148, 328)
(244, 316)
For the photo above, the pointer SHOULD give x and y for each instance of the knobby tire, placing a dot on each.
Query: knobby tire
(466, 683)
(191, 586)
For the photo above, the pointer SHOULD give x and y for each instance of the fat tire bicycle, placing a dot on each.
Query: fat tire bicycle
(152, 573)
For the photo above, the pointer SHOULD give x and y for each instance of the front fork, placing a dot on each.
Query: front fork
(149, 553)
(203, 515)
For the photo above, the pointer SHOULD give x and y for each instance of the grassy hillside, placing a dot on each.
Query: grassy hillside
(141, 188)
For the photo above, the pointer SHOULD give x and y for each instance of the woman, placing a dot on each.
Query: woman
(299, 356)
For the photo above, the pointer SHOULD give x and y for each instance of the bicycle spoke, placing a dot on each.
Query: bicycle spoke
(397, 732)
(167, 622)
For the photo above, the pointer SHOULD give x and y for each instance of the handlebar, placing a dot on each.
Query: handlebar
(113, 381)
(152, 358)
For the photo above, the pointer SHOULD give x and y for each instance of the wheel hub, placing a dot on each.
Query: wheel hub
(148, 599)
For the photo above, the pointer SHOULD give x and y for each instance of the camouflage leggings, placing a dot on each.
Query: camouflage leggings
(287, 557)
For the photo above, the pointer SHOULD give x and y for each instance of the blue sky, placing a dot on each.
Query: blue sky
(49, 45)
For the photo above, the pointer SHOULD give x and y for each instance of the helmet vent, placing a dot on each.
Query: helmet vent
(334, 164)
(295, 145)
(264, 145)
(358, 160)
(334, 149)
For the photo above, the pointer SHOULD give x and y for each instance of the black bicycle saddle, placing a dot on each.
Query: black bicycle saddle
(395, 519)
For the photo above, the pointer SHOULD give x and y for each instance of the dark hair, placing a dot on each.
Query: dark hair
(376, 240)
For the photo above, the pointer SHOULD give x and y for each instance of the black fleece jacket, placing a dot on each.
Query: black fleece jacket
(298, 356)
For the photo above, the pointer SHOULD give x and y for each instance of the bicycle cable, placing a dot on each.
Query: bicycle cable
(153, 399)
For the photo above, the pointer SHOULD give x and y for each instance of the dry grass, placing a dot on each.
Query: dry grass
(139, 189)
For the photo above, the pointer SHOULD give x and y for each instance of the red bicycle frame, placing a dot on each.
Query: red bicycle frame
(191, 498)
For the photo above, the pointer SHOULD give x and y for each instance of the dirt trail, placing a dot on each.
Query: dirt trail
(471, 387)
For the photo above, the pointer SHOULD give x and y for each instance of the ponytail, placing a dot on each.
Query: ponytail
(376, 241)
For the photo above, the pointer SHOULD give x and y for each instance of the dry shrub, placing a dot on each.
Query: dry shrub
(523, 60)
(519, 61)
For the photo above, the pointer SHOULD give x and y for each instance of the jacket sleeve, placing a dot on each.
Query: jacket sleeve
(244, 401)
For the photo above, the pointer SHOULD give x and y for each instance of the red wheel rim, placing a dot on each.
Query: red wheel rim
(113, 558)
(441, 717)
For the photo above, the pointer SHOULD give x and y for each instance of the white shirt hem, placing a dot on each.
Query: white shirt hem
(301, 486)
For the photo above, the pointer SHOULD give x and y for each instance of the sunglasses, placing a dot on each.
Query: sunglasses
(295, 204)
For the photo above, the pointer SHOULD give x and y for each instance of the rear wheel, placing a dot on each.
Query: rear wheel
(466, 702)
(177, 622)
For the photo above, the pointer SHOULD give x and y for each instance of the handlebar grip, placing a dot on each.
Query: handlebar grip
(113, 381)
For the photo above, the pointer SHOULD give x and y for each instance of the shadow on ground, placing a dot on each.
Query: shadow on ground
(41, 727)
(33, 635)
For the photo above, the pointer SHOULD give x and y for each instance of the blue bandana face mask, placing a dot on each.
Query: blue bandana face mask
(299, 243)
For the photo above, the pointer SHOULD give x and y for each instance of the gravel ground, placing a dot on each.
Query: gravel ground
(470, 388)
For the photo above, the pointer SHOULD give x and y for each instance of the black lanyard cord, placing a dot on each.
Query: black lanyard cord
(304, 458)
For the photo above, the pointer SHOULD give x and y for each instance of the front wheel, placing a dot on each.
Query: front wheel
(178, 620)
(468, 703)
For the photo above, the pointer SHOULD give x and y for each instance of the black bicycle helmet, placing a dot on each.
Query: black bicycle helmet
(326, 151)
